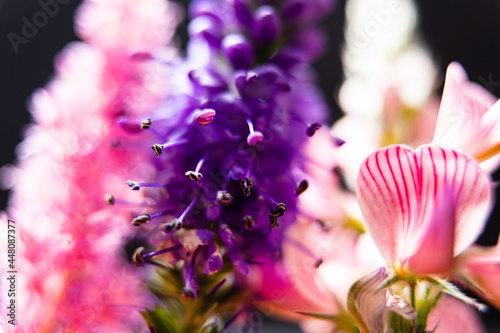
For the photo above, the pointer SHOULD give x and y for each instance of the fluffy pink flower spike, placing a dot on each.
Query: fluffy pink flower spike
(469, 118)
(422, 207)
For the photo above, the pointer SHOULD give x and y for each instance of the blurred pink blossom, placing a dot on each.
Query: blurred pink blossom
(73, 271)
(481, 267)
(454, 316)
(397, 107)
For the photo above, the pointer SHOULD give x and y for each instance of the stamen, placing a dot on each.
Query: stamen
(224, 197)
(146, 124)
(168, 249)
(488, 153)
(140, 260)
(312, 129)
(280, 210)
(135, 186)
(270, 202)
(216, 288)
(273, 221)
(246, 185)
(248, 222)
(110, 199)
(177, 222)
(204, 117)
(254, 136)
(147, 202)
(302, 187)
(158, 148)
(129, 125)
(196, 174)
(277, 210)
(187, 292)
(317, 260)
(141, 219)
(145, 218)
(137, 257)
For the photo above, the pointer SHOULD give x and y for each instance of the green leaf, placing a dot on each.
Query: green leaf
(162, 320)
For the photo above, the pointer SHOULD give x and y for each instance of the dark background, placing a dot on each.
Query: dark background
(462, 30)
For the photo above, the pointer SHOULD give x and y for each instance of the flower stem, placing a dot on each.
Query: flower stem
(413, 304)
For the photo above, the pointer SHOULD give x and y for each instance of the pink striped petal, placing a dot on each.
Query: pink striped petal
(468, 120)
(399, 191)
(435, 252)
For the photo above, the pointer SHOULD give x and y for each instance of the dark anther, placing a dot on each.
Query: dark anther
(133, 185)
(246, 185)
(279, 211)
(175, 224)
(144, 218)
(158, 149)
(110, 199)
(318, 262)
(225, 198)
(187, 294)
(193, 175)
(137, 257)
(302, 187)
(146, 124)
(274, 221)
(311, 129)
(248, 222)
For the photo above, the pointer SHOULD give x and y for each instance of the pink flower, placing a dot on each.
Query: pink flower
(481, 267)
(423, 207)
(454, 316)
(74, 274)
(371, 306)
(469, 118)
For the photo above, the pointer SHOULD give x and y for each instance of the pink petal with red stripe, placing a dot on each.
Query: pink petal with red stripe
(419, 203)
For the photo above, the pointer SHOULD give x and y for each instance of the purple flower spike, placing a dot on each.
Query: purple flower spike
(204, 117)
(229, 132)
(238, 50)
(267, 25)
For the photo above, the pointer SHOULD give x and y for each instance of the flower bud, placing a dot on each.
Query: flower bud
(238, 50)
